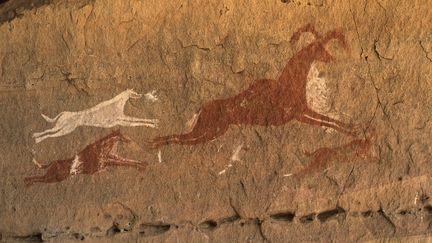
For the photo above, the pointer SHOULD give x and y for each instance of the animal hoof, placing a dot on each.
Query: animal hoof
(155, 123)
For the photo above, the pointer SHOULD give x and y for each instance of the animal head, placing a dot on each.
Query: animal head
(132, 94)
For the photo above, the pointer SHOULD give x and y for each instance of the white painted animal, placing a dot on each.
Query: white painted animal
(106, 114)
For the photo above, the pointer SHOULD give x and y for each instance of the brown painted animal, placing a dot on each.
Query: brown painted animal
(266, 102)
(324, 158)
(93, 158)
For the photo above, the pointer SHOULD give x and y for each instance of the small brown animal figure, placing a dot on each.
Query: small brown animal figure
(266, 102)
(323, 158)
(91, 159)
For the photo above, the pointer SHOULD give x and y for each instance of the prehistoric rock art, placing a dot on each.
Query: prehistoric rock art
(93, 158)
(322, 158)
(106, 114)
(318, 96)
(266, 102)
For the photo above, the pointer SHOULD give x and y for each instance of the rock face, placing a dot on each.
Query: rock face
(215, 121)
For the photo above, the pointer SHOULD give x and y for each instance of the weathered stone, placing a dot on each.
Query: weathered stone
(243, 184)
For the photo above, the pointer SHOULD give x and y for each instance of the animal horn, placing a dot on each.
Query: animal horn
(335, 34)
(307, 28)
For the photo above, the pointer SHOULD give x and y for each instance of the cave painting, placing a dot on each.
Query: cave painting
(93, 158)
(322, 158)
(106, 114)
(266, 102)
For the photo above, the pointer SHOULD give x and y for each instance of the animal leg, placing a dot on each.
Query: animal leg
(40, 179)
(32, 180)
(114, 160)
(191, 138)
(59, 133)
(116, 157)
(313, 118)
(134, 124)
(136, 119)
(40, 139)
(52, 130)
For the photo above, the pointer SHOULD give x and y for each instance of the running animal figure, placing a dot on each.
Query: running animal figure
(267, 102)
(106, 114)
(93, 158)
(324, 158)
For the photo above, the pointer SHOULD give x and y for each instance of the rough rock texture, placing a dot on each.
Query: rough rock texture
(65, 55)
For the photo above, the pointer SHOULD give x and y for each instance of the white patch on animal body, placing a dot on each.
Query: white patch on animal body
(106, 114)
(75, 166)
(317, 94)
(235, 157)
(288, 175)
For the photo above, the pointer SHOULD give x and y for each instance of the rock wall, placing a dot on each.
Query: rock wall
(282, 139)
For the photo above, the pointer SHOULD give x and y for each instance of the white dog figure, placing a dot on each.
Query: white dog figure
(106, 114)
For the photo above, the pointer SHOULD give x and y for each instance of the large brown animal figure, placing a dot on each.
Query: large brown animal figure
(266, 102)
(91, 159)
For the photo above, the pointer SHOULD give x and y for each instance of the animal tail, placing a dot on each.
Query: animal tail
(51, 120)
(39, 165)
(190, 124)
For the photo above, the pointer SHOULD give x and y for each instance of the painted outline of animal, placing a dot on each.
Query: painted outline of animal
(323, 157)
(93, 158)
(106, 114)
(266, 102)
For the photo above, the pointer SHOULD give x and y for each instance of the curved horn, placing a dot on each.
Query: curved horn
(335, 34)
(307, 28)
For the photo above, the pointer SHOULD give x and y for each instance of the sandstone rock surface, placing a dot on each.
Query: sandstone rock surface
(64, 55)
